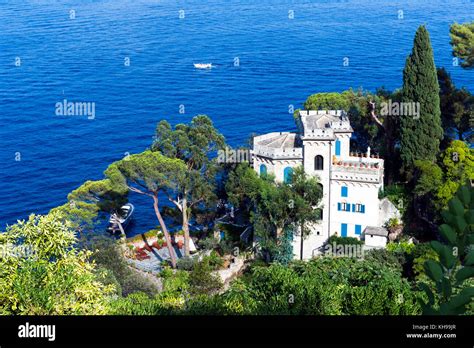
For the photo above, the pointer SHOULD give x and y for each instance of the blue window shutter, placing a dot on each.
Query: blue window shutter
(339, 206)
(353, 207)
(343, 230)
(358, 229)
(338, 147)
(287, 175)
(344, 191)
(362, 209)
(263, 169)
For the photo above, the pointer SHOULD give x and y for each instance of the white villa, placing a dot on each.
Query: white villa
(350, 182)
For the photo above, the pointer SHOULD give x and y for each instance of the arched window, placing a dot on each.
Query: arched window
(318, 163)
(263, 170)
(287, 175)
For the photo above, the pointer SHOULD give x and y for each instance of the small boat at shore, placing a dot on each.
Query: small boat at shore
(203, 65)
(123, 216)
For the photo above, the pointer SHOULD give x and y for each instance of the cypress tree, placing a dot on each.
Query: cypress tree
(420, 136)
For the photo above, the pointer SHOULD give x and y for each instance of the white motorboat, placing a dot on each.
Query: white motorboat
(122, 217)
(203, 65)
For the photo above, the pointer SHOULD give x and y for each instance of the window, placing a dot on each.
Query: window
(263, 170)
(358, 208)
(287, 175)
(343, 206)
(344, 191)
(358, 229)
(319, 213)
(343, 230)
(338, 147)
(318, 162)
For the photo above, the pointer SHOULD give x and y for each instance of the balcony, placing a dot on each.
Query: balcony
(364, 169)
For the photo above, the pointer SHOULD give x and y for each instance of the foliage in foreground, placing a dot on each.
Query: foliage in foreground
(455, 267)
(322, 286)
(41, 273)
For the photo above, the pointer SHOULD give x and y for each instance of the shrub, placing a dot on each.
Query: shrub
(108, 254)
(202, 281)
(209, 243)
(401, 247)
(185, 263)
(387, 258)
(344, 240)
(55, 278)
(137, 303)
(215, 260)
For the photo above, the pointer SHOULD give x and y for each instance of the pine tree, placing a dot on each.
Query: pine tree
(420, 134)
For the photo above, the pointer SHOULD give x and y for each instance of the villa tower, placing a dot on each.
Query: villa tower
(350, 182)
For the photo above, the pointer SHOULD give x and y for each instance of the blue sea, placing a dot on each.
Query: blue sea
(134, 60)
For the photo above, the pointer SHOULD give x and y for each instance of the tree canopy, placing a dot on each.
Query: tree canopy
(149, 173)
(462, 41)
(420, 136)
(196, 145)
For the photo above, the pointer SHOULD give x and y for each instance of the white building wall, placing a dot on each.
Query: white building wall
(375, 241)
(311, 149)
(275, 167)
(344, 139)
(358, 193)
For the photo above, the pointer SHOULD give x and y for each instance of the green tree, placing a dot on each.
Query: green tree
(306, 195)
(328, 101)
(462, 41)
(275, 207)
(202, 280)
(457, 106)
(42, 273)
(455, 267)
(194, 144)
(88, 200)
(149, 173)
(439, 182)
(420, 136)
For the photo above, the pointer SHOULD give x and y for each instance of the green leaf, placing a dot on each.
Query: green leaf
(447, 257)
(460, 223)
(464, 195)
(460, 300)
(447, 217)
(456, 207)
(469, 260)
(437, 246)
(470, 239)
(433, 270)
(469, 216)
(446, 287)
(428, 292)
(448, 233)
(464, 273)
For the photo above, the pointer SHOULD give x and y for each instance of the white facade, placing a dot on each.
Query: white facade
(351, 182)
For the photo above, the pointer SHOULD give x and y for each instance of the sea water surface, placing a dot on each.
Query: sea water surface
(269, 56)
